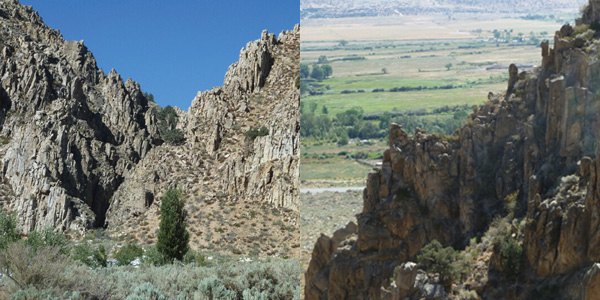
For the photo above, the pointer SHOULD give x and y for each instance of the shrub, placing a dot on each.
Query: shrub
(196, 258)
(467, 295)
(8, 229)
(127, 254)
(167, 120)
(27, 267)
(173, 237)
(254, 294)
(512, 257)
(91, 258)
(47, 238)
(344, 139)
(149, 96)
(213, 288)
(435, 258)
(256, 132)
(146, 291)
(173, 136)
(227, 279)
(31, 293)
(167, 116)
(153, 257)
(277, 278)
(510, 202)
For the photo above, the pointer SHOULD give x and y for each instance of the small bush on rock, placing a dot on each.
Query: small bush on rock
(435, 258)
(167, 121)
(173, 136)
(256, 132)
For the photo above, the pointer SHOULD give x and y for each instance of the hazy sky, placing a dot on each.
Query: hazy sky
(172, 48)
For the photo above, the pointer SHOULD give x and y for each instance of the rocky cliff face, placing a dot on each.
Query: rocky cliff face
(538, 141)
(70, 131)
(259, 87)
(82, 149)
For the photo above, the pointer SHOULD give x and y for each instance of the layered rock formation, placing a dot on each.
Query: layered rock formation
(82, 149)
(538, 139)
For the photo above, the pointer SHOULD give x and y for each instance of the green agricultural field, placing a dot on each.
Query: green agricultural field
(337, 169)
(310, 147)
(382, 102)
(418, 66)
(368, 83)
(327, 164)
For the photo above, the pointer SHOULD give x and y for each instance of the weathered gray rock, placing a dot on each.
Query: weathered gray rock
(61, 113)
(405, 280)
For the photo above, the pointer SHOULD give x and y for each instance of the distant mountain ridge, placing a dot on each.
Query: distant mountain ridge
(357, 8)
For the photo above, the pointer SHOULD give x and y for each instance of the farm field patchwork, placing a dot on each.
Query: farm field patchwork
(418, 69)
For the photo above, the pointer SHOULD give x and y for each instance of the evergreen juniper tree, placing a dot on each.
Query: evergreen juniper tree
(173, 237)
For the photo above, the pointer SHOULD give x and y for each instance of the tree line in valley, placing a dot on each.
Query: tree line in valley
(353, 123)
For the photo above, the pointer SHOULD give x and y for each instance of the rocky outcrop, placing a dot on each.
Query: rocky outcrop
(325, 250)
(412, 283)
(255, 88)
(220, 159)
(82, 148)
(538, 139)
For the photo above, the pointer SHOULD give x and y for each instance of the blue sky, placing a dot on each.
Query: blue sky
(172, 48)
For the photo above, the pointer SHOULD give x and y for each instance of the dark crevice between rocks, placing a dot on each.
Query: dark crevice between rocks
(5, 105)
(270, 178)
(93, 191)
(101, 203)
(140, 117)
(94, 121)
(149, 199)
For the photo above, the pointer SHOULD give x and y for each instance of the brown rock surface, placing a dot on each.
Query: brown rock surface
(449, 188)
